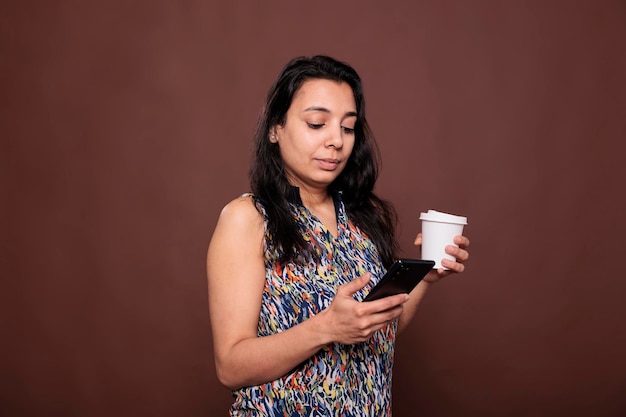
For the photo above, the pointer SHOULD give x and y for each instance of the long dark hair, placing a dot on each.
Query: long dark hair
(373, 215)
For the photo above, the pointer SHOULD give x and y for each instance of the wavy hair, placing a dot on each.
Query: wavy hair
(373, 215)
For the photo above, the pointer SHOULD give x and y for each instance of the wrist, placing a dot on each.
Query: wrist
(320, 328)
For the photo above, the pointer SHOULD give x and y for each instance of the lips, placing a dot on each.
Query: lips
(328, 164)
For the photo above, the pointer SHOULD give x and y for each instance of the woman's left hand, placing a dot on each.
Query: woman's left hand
(460, 253)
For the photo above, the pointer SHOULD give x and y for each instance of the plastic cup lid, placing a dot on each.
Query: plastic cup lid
(438, 216)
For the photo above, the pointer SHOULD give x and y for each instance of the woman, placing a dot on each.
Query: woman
(289, 263)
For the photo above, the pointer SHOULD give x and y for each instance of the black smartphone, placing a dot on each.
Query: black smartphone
(402, 277)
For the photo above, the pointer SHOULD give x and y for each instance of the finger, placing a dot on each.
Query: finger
(457, 267)
(418, 239)
(387, 316)
(385, 304)
(452, 267)
(355, 285)
(461, 255)
(443, 272)
(462, 241)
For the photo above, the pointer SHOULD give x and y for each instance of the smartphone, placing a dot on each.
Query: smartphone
(402, 277)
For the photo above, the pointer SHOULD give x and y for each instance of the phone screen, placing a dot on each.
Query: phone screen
(402, 277)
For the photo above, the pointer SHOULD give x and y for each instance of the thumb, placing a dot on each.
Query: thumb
(355, 285)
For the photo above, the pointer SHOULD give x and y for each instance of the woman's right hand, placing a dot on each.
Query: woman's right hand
(350, 321)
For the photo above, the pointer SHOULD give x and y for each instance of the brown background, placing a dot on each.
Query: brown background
(125, 126)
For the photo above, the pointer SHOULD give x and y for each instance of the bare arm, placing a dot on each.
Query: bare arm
(236, 277)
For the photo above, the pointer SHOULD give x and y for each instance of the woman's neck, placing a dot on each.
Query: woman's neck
(314, 198)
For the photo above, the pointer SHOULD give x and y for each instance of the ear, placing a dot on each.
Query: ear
(273, 134)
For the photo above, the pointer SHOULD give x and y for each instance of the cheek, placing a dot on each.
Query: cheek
(349, 146)
(294, 152)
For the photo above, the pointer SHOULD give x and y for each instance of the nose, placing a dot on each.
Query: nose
(335, 139)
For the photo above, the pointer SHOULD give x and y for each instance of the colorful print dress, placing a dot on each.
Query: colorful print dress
(340, 380)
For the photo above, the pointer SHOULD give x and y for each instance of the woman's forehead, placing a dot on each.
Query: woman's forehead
(320, 94)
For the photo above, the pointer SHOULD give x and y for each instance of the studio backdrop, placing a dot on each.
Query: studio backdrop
(125, 127)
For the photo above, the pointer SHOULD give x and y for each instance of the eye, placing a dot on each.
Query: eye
(348, 130)
(315, 125)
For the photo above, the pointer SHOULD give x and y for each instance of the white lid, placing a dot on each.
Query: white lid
(438, 216)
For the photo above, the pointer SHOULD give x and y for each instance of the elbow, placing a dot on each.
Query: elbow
(226, 377)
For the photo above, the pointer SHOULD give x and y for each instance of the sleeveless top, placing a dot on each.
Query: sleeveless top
(339, 380)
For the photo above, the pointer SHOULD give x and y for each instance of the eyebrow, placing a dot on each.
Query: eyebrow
(325, 110)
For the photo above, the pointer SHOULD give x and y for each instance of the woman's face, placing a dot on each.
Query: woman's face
(318, 135)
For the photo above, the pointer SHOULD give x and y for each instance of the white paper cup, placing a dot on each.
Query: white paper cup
(438, 231)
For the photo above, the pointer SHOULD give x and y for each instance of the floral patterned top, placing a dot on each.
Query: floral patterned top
(339, 380)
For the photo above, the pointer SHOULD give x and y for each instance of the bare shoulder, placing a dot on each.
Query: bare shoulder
(243, 205)
(239, 229)
(241, 211)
